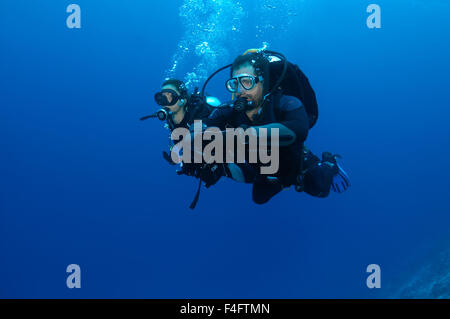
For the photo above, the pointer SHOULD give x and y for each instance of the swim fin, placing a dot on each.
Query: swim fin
(341, 180)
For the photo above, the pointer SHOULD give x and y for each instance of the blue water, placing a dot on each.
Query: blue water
(82, 180)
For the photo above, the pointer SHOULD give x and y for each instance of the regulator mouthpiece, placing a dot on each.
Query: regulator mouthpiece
(242, 104)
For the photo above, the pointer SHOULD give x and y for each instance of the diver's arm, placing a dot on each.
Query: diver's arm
(219, 116)
(285, 135)
(297, 120)
(294, 126)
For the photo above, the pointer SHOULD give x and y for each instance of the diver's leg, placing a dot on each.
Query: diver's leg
(264, 190)
(317, 180)
(322, 175)
(241, 172)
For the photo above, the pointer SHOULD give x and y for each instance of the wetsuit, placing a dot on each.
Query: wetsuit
(195, 110)
(294, 160)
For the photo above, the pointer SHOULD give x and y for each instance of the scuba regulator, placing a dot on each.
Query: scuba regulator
(161, 115)
(242, 104)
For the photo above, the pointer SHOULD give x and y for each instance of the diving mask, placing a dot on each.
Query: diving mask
(247, 82)
(167, 97)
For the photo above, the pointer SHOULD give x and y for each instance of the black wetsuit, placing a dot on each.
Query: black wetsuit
(197, 111)
(293, 159)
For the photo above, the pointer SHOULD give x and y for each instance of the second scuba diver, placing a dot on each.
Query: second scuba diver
(181, 109)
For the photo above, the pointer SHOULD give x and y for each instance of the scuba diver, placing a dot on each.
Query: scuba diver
(274, 93)
(181, 109)
(269, 93)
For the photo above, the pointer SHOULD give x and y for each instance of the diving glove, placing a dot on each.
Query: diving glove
(208, 173)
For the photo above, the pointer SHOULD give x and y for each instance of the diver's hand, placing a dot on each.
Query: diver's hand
(196, 100)
(188, 169)
(210, 173)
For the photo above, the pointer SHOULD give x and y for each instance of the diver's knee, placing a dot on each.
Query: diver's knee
(263, 191)
(242, 172)
(316, 184)
(317, 193)
(259, 200)
(235, 172)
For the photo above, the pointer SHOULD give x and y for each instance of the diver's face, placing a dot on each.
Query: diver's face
(177, 106)
(255, 94)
